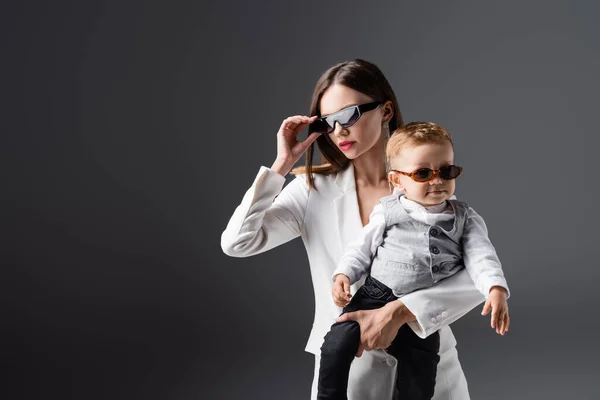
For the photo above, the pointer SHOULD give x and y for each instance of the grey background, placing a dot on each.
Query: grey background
(130, 131)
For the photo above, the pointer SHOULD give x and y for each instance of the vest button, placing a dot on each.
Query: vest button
(434, 250)
(435, 268)
(434, 232)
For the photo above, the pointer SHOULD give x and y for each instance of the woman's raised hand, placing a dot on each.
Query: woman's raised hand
(289, 148)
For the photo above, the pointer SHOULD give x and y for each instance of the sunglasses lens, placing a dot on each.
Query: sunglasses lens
(422, 175)
(346, 117)
(320, 125)
(449, 172)
(349, 117)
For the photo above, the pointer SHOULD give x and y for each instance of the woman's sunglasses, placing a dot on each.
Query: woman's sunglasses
(426, 174)
(346, 117)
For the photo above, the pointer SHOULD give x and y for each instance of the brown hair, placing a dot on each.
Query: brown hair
(361, 76)
(416, 133)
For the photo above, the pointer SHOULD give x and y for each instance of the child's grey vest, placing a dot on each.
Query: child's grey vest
(415, 255)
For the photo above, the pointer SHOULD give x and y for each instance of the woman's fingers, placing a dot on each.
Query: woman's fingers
(288, 146)
(361, 348)
(355, 316)
(309, 140)
(351, 316)
(304, 122)
(377, 330)
(293, 125)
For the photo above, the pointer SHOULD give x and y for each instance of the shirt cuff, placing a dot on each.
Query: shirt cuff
(500, 282)
(346, 271)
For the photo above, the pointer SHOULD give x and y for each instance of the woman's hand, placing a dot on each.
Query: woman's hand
(379, 327)
(289, 149)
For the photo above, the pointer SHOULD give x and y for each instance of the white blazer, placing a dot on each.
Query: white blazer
(327, 219)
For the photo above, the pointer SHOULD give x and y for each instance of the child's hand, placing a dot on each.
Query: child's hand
(341, 290)
(496, 301)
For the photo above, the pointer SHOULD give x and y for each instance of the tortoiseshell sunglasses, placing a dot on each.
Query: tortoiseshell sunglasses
(426, 174)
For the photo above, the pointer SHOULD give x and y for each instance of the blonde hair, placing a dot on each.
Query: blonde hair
(415, 133)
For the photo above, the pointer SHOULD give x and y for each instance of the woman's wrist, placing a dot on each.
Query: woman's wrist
(281, 167)
(401, 313)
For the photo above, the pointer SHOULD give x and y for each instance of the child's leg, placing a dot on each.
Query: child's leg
(337, 353)
(417, 363)
(341, 342)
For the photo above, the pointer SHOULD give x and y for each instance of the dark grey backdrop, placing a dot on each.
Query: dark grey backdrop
(131, 129)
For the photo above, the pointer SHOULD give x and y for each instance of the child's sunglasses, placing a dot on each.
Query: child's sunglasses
(426, 174)
(346, 117)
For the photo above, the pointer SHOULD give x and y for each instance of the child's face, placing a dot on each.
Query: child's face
(428, 155)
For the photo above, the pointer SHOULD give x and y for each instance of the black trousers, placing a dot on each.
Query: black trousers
(417, 358)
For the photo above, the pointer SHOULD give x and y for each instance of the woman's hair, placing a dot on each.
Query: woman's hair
(416, 133)
(363, 77)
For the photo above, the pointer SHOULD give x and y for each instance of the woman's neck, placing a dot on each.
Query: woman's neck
(369, 168)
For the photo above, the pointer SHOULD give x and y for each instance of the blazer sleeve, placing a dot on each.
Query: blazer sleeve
(443, 303)
(267, 216)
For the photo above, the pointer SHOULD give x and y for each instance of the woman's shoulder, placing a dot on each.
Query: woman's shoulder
(322, 181)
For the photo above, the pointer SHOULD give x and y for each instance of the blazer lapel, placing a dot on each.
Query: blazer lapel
(346, 206)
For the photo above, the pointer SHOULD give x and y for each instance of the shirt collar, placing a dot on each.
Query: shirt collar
(410, 205)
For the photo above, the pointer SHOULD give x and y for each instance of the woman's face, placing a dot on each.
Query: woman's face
(366, 132)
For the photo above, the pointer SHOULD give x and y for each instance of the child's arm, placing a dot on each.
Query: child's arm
(481, 260)
(483, 265)
(359, 253)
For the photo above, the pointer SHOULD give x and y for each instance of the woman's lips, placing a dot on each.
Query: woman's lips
(346, 145)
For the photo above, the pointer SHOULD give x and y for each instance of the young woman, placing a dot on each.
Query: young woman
(352, 112)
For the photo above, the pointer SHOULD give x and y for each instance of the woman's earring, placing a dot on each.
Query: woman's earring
(386, 129)
(386, 133)
(387, 171)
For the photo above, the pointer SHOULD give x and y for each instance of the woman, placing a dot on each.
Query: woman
(327, 205)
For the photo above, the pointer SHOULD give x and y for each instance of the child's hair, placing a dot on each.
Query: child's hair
(416, 133)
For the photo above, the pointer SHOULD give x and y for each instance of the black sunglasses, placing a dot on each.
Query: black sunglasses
(426, 174)
(346, 117)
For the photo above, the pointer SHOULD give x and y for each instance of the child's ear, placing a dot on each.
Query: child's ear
(395, 179)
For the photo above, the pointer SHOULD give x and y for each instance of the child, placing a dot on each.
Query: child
(415, 237)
